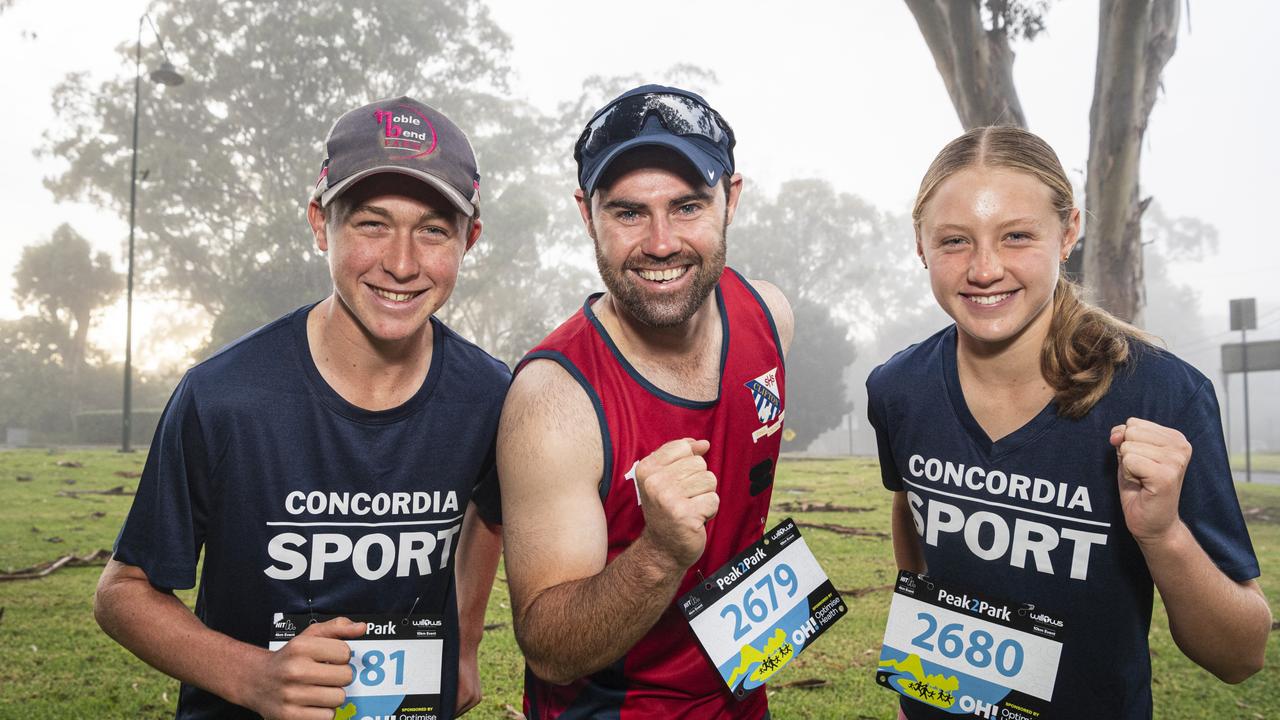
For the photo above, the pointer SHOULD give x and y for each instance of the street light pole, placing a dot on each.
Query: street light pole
(165, 75)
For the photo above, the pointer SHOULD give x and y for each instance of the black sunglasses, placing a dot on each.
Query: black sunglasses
(624, 119)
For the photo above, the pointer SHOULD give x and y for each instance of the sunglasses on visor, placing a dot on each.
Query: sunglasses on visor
(682, 115)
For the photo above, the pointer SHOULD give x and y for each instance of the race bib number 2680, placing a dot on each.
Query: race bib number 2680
(967, 654)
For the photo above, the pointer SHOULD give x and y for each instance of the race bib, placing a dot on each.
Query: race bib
(396, 666)
(762, 608)
(967, 654)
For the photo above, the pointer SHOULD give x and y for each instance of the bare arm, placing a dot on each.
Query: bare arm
(479, 546)
(906, 541)
(1222, 625)
(1219, 623)
(157, 627)
(574, 614)
(783, 318)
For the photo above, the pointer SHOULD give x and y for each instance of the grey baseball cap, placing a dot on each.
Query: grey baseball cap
(400, 136)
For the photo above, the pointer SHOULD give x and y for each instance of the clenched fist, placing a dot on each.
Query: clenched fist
(304, 679)
(1152, 461)
(678, 497)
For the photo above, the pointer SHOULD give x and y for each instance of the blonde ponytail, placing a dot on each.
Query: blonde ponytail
(1085, 347)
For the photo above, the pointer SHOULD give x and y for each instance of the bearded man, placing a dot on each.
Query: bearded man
(638, 441)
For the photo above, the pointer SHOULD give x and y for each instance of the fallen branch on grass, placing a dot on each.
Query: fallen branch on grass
(844, 529)
(806, 684)
(859, 592)
(806, 506)
(117, 490)
(1257, 513)
(38, 571)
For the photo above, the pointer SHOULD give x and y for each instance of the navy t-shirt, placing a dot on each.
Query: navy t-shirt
(299, 499)
(1073, 555)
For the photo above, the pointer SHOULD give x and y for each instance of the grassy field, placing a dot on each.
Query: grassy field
(55, 663)
(1262, 462)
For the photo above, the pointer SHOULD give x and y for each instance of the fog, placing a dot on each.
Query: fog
(838, 109)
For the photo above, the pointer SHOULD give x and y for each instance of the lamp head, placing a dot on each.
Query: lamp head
(166, 75)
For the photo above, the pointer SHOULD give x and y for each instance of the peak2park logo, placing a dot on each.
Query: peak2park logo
(974, 605)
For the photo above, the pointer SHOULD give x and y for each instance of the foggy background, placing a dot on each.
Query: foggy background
(838, 108)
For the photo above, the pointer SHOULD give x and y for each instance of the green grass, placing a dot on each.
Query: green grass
(1262, 462)
(55, 663)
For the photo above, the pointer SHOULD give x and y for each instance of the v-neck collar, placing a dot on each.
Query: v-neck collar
(1015, 440)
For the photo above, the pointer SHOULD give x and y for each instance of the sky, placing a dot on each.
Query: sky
(846, 91)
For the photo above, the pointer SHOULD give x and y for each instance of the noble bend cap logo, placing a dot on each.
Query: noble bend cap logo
(403, 128)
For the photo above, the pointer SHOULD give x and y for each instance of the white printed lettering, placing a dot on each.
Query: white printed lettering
(1080, 499)
(279, 550)
(447, 537)
(416, 547)
(1014, 543)
(1084, 541)
(1018, 485)
(372, 555)
(360, 556)
(1046, 540)
(321, 554)
(954, 522)
(973, 532)
(1000, 483)
(360, 503)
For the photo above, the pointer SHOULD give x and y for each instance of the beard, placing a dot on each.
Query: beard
(668, 310)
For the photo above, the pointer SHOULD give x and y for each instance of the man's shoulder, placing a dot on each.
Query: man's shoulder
(546, 378)
(550, 397)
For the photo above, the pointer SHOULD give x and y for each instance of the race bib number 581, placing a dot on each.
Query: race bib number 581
(395, 667)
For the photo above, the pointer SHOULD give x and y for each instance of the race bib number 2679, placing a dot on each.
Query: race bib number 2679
(762, 608)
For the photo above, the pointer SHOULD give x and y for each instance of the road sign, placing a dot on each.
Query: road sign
(1263, 355)
(1244, 314)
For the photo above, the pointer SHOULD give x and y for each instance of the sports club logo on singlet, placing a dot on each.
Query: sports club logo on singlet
(764, 392)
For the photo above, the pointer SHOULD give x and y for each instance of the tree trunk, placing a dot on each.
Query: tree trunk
(976, 64)
(75, 359)
(1136, 38)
